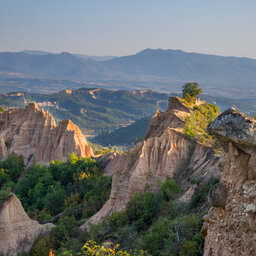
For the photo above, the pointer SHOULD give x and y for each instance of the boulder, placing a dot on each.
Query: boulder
(230, 222)
(218, 195)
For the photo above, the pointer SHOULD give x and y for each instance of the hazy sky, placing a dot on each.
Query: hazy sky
(123, 27)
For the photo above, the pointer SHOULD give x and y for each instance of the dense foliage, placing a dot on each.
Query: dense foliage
(192, 89)
(154, 222)
(46, 190)
(75, 189)
(10, 170)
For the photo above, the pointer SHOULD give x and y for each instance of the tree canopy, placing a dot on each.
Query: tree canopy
(192, 89)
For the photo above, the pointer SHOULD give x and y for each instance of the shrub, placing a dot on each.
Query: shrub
(2, 110)
(169, 188)
(196, 123)
(42, 246)
(65, 229)
(91, 248)
(201, 195)
(4, 194)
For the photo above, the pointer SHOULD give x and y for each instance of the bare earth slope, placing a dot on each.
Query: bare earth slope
(17, 231)
(230, 225)
(33, 134)
(166, 151)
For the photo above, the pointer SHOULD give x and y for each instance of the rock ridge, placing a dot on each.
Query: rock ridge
(163, 153)
(33, 134)
(230, 225)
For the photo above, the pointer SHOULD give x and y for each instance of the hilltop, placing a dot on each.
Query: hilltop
(162, 70)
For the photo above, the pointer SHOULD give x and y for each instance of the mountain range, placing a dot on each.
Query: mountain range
(157, 69)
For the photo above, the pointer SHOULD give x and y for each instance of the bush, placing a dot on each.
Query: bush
(65, 229)
(4, 195)
(2, 110)
(200, 196)
(196, 123)
(169, 188)
(42, 246)
(92, 248)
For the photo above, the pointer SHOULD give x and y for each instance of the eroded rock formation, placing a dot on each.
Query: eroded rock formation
(33, 133)
(17, 231)
(230, 225)
(166, 151)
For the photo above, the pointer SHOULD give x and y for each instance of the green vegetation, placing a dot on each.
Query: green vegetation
(201, 115)
(48, 190)
(10, 170)
(107, 109)
(99, 149)
(2, 110)
(124, 136)
(154, 222)
(198, 120)
(201, 195)
(191, 89)
(4, 194)
(75, 189)
(91, 248)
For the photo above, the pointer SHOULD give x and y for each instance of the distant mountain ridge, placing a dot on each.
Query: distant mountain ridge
(161, 70)
(97, 109)
(84, 56)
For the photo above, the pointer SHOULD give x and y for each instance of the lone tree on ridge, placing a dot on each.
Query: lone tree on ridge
(192, 89)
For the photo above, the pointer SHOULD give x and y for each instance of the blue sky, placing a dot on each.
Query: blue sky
(123, 27)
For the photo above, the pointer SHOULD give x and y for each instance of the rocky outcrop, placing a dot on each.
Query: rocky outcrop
(165, 151)
(33, 134)
(17, 231)
(230, 225)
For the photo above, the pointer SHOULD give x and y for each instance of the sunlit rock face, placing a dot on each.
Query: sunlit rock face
(230, 225)
(17, 231)
(33, 134)
(165, 152)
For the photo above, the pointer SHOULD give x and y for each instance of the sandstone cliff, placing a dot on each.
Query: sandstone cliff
(17, 231)
(166, 151)
(230, 225)
(33, 133)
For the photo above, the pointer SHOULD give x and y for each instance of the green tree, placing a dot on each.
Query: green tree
(191, 89)
(2, 110)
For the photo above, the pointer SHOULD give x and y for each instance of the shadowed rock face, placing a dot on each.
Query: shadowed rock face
(165, 151)
(17, 231)
(34, 134)
(218, 195)
(230, 225)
